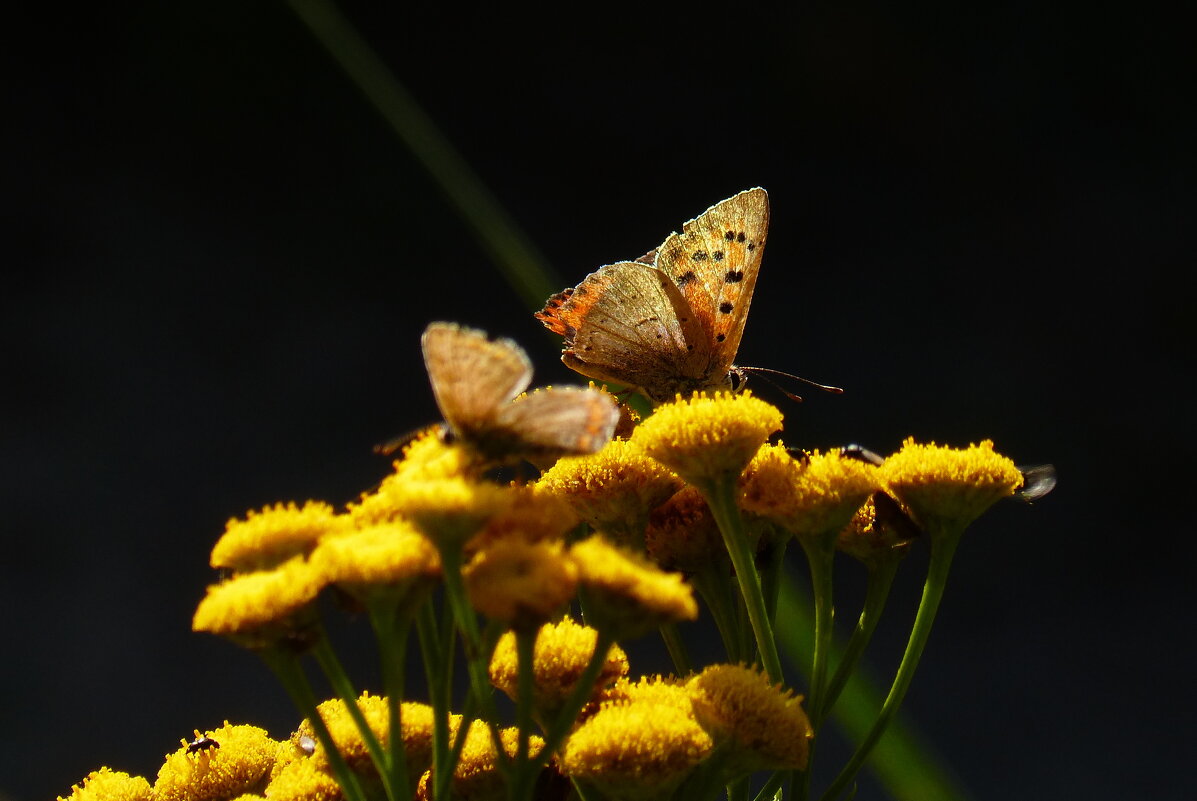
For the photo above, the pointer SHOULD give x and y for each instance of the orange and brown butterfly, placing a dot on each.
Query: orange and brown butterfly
(671, 321)
(477, 383)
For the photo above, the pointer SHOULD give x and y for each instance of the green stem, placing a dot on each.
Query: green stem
(682, 665)
(769, 791)
(721, 498)
(714, 586)
(943, 547)
(821, 557)
(285, 666)
(438, 672)
(881, 579)
(774, 559)
(525, 772)
(326, 657)
(391, 629)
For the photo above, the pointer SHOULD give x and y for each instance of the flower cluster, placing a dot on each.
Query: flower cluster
(532, 587)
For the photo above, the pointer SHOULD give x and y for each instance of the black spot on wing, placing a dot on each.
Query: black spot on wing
(686, 278)
(726, 308)
(734, 276)
(699, 255)
(717, 255)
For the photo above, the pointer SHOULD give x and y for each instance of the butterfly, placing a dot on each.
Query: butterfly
(476, 381)
(671, 321)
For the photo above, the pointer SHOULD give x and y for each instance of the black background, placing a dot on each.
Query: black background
(220, 260)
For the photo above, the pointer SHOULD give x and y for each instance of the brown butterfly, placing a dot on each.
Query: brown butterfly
(671, 321)
(477, 383)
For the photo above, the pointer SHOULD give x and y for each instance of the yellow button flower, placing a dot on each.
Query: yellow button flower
(760, 725)
(304, 780)
(268, 538)
(708, 439)
(379, 560)
(106, 784)
(627, 595)
(682, 534)
(944, 489)
(613, 490)
(560, 655)
(813, 497)
(521, 584)
(636, 751)
(415, 721)
(239, 763)
(258, 609)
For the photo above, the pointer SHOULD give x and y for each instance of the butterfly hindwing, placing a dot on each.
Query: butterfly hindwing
(627, 323)
(715, 261)
(472, 375)
(554, 422)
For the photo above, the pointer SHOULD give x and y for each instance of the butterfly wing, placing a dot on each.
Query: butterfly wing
(714, 262)
(471, 375)
(628, 323)
(556, 422)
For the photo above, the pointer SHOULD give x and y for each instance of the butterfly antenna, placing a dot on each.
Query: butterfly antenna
(762, 371)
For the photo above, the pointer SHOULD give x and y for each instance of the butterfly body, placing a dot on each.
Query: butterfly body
(477, 383)
(671, 321)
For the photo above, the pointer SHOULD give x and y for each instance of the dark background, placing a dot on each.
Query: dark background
(220, 260)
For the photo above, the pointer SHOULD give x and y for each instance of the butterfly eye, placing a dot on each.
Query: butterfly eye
(737, 378)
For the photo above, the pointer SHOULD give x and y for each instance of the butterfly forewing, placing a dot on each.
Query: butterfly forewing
(715, 261)
(472, 375)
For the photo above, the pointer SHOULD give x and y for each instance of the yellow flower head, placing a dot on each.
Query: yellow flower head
(812, 498)
(520, 583)
(415, 721)
(449, 511)
(106, 784)
(533, 515)
(879, 531)
(268, 538)
(613, 490)
(561, 653)
(476, 776)
(238, 763)
(263, 608)
(761, 725)
(636, 751)
(682, 534)
(425, 458)
(627, 595)
(386, 559)
(304, 780)
(708, 439)
(944, 489)
(668, 690)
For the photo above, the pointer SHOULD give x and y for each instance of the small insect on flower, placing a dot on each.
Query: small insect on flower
(202, 742)
(1037, 480)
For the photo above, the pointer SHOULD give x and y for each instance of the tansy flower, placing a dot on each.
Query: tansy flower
(304, 780)
(425, 458)
(636, 751)
(708, 439)
(449, 511)
(415, 721)
(879, 531)
(758, 725)
(626, 595)
(476, 777)
(520, 583)
(811, 498)
(240, 765)
(106, 784)
(268, 538)
(682, 534)
(613, 490)
(258, 609)
(944, 489)
(387, 559)
(668, 690)
(561, 654)
(532, 515)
